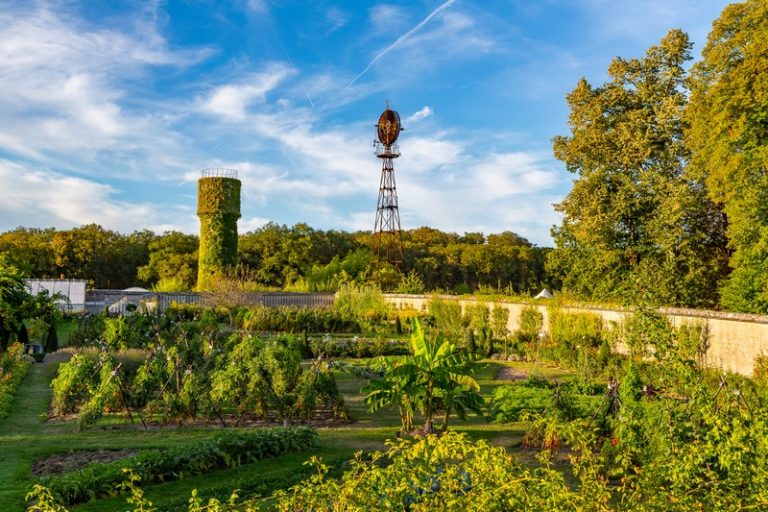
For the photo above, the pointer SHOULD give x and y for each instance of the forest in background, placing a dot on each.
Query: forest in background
(274, 257)
(669, 204)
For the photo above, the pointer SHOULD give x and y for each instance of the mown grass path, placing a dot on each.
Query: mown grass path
(21, 434)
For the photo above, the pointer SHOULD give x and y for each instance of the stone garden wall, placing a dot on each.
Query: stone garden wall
(734, 339)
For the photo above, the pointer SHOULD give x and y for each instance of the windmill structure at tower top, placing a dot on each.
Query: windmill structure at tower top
(387, 245)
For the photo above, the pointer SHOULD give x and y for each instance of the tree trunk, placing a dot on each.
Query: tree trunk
(447, 414)
(428, 424)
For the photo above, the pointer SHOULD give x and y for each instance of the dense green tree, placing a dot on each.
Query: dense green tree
(353, 267)
(13, 296)
(728, 134)
(505, 261)
(634, 222)
(17, 305)
(105, 258)
(277, 256)
(29, 250)
(172, 262)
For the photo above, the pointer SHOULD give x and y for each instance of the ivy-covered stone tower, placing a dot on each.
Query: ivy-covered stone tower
(218, 206)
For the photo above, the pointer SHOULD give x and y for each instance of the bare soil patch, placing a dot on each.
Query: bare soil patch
(66, 462)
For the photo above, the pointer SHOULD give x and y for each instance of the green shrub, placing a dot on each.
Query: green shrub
(476, 316)
(23, 335)
(88, 331)
(224, 450)
(358, 347)
(296, 319)
(645, 332)
(14, 366)
(692, 341)
(575, 329)
(181, 311)
(73, 384)
(499, 320)
(447, 315)
(51, 339)
(363, 304)
(531, 323)
(511, 401)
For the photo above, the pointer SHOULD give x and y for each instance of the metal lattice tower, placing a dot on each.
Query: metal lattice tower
(387, 244)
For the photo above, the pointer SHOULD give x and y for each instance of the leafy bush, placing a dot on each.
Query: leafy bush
(296, 319)
(14, 365)
(448, 319)
(358, 347)
(88, 331)
(511, 401)
(446, 473)
(760, 370)
(499, 320)
(73, 384)
(692, 341)
(575, 329)
(51, 339)
(531, 323)
(186, 374)
(178, 311)
(576, 399)
(225, 450)
(362, 303)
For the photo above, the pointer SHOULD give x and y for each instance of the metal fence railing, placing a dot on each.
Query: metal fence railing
(118, 301)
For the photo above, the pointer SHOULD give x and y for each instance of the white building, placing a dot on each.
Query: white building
(71, 291)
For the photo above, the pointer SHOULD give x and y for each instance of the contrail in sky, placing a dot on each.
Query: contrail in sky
(402, 38)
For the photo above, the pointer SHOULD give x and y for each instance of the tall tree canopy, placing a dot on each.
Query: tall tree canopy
(275, 256)
(172, 262)
(634, 222)
(728, 135)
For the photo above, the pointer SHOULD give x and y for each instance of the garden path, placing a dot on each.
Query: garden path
(22, 430)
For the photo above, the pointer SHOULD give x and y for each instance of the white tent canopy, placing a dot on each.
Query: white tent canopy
(544, 294)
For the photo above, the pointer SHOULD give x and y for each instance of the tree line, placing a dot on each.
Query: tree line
(275, 256)
(670, 203)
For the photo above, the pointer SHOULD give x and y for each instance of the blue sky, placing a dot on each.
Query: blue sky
(110, 109)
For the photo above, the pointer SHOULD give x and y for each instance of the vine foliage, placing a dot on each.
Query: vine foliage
(218, 206)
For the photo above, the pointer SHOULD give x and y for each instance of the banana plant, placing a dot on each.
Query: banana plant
(437, 370)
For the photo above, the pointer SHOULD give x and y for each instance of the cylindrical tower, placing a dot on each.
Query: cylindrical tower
(218, 206)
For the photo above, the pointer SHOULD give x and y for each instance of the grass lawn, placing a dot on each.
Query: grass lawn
(25, 437)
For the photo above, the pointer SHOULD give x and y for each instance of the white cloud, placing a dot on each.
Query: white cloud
(232, 101)
(76, 101)
(387, 17)
(65, 86)
(647, 20)
(251, 224)
(505, 175)
(424, 113)
(335, 18)
(43, 198)
(424, 154)
(503, 191)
